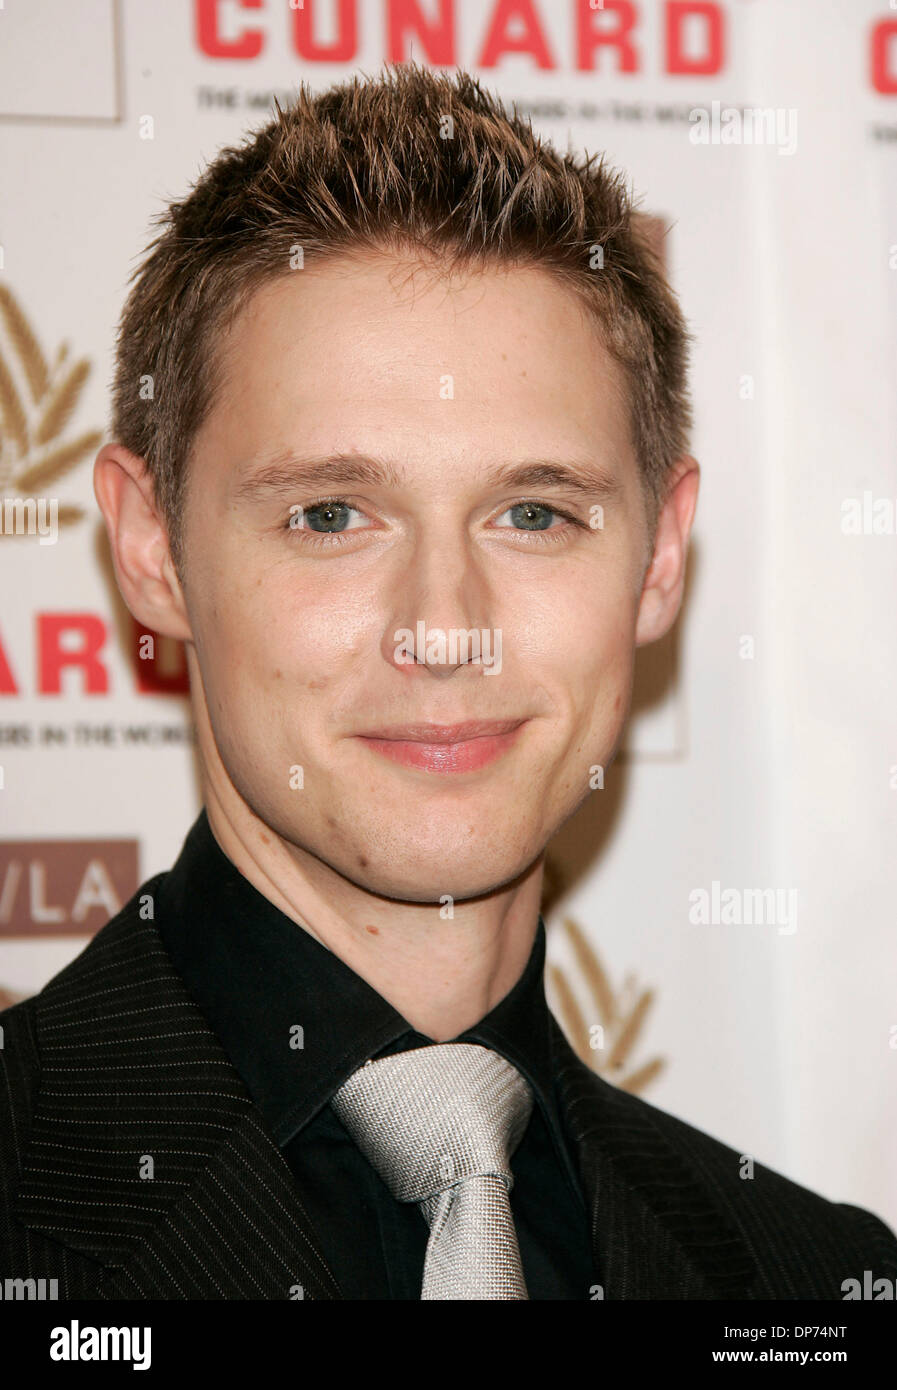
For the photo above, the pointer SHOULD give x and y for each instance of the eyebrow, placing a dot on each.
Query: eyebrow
(286, 474)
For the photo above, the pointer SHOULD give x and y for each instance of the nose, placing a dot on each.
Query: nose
(443, 651)
(443, 608)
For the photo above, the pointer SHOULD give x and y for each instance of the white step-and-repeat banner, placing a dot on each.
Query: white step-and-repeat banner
(725, 907)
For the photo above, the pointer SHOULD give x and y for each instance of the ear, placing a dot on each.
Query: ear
(665, 578)
(139, 542)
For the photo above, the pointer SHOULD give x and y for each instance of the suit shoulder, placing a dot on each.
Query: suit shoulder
(19, 1023)
(764, 1200)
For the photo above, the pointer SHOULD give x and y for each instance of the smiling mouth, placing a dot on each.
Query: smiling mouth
(461, 747)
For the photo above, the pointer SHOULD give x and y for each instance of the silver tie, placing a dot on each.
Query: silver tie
(439, 1125)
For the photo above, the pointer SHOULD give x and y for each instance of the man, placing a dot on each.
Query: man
(400, 422)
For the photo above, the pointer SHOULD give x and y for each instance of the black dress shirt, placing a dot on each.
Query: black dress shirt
(259, 979)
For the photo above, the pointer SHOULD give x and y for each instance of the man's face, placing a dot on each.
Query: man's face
(298, 629)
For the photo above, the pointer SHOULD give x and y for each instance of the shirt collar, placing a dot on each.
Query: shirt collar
(295, 1019)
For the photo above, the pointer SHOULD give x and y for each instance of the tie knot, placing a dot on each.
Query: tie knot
(429, 1118)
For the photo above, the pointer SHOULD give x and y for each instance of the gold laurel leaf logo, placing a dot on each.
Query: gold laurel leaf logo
(37, 401)
(619, 1015)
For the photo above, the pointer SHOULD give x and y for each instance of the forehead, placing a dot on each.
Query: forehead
(359, 348)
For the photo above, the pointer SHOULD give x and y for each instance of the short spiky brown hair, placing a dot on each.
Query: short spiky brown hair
(415, 163)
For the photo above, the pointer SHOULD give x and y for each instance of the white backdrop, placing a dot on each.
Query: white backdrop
(762, 753)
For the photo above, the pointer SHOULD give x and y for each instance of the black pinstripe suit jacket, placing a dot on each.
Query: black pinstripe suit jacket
(113, 1064)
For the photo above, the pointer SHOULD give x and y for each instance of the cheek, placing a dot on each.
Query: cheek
(597, 670)
(275, 642)
(233, 651)
(595, 644)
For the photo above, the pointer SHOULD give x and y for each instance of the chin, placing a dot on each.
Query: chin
(404, 890)
(428, 878)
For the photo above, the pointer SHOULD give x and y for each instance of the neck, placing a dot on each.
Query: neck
(442, 974)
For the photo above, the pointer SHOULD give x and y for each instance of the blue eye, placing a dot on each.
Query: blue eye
(531, 516)
(322, 521)
(326, 521)
(333, 516)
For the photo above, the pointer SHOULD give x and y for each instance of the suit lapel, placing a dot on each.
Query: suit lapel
(146, 1153)
(657, 1232)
